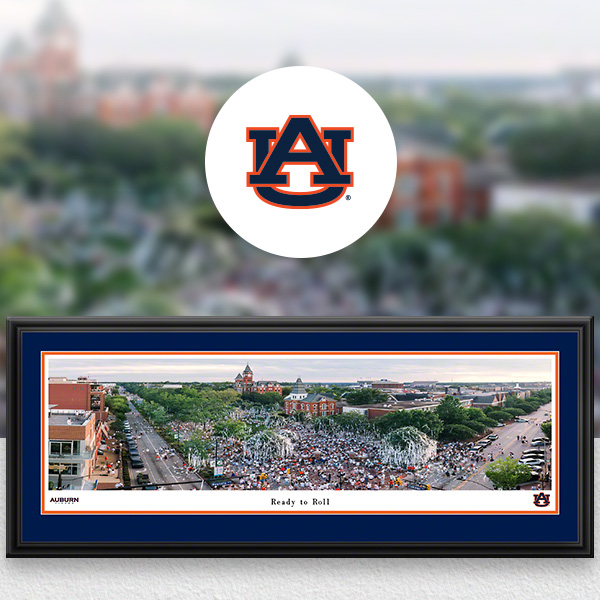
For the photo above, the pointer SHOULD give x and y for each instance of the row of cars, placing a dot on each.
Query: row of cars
(136, 461)
(484, 442)
(535, 459)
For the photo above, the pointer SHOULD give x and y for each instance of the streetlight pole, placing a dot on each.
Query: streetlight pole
(216, 453)
(543, 487)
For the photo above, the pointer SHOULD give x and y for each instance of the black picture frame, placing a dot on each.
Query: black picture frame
(583, 547)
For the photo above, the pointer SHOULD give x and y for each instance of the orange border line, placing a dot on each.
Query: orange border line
(299, 352)
(296, 353)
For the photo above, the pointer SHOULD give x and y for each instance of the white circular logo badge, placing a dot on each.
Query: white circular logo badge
(301, 162)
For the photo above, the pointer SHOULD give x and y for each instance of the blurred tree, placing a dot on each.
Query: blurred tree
(566, 145)
(150, 156)
(13, 150)
(28, 286)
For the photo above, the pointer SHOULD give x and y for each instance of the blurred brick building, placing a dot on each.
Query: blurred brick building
(43, 78)
(434, 185)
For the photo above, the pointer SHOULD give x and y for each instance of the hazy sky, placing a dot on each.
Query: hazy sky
(311, 368)
(397, 36)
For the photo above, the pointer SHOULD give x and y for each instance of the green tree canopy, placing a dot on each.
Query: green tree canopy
(118, 406)
(456, 432)
(425, 421)
(365, 396)
(499, 415)
(507, 473)
(450, 410)
(514, 412)
(546, 427)
(231, 428)
(269, 399)
(353, 421)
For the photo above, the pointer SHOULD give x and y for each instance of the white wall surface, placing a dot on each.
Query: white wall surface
(309, 579)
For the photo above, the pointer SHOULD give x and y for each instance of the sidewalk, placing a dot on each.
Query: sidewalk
(101, 473)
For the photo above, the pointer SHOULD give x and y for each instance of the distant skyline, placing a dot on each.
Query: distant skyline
(383, 36)
(322, 369)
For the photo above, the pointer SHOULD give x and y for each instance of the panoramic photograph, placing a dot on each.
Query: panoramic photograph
(299, 422)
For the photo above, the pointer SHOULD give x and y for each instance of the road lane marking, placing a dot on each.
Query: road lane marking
(486, 464)
(165, 464)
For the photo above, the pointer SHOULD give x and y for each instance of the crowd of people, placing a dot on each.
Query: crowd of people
(320, 461)
(333, 460)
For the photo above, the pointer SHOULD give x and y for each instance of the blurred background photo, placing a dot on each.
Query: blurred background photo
(105, 108)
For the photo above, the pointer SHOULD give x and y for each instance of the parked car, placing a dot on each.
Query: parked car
(493, 437)
(499, 424)
(142, 478)
(538, 443)
(540, 439)
(137, 463)
(532, 455)
(520, 420)
(532, 462)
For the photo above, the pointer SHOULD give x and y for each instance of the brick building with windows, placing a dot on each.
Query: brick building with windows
(299, 400)
(73, 442)
(244, 384)
(78, 394)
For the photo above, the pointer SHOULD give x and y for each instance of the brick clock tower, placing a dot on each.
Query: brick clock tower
(244, 384)
(248, 377)
(56, 55)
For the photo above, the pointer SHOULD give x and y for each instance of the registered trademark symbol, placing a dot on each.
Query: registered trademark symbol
(348, 197)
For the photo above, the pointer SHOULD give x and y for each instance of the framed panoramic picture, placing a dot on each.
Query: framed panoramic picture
(300, 437)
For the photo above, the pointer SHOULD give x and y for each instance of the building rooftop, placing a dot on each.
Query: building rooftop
(69, 417)
(75, 381)
(400, 405)
(483, 398)
(298, 387)
(315, 398)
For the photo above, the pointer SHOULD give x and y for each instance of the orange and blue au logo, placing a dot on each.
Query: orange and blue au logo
(541, 499)
(300, 142)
